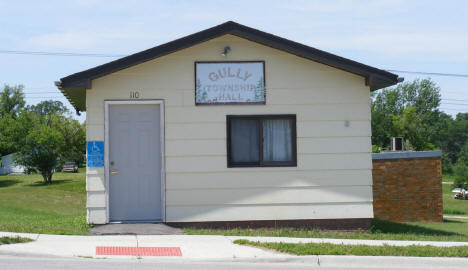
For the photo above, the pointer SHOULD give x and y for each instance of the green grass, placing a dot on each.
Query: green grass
(450, 205)
(360, 250)
(28, 205)
(449, 230)
(447, 177)
(13, 240)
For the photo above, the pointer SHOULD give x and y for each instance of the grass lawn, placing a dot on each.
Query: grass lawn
(449, 230)
(13, 240)
(452, 206)
(360, 250)
(28, 205)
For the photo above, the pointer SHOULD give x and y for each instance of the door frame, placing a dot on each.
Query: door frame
(159, 102)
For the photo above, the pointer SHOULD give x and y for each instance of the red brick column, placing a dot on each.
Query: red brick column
(408, 189)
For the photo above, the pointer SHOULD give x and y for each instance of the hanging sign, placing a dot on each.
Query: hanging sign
(95, 154)
(229, 83)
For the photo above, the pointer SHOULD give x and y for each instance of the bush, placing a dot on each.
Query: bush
(375, 149)
(447, 167)
(461, 176)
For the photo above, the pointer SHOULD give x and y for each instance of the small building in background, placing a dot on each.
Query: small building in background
(8, 165)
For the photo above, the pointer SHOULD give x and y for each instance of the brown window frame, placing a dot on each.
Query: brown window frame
(261, 162)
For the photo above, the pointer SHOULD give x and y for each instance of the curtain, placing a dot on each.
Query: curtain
(277, 144)
(244, 140)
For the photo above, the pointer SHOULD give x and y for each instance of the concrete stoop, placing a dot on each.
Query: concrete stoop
(135, 229)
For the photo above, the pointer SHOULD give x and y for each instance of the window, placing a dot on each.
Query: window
(261, 140)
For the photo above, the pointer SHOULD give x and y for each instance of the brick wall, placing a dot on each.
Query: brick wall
(407, 187)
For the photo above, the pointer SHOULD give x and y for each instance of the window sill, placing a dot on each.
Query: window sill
(284, 164)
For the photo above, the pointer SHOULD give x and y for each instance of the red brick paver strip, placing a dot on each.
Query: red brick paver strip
(139, 251)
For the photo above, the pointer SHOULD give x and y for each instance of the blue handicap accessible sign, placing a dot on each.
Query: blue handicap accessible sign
(95, 156)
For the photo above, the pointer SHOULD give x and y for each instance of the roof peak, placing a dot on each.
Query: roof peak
(375, 78)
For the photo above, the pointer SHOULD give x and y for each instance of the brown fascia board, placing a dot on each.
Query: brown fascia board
(375, 78)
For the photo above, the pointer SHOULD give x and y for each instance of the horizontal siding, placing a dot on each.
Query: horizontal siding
(190, 147)
(310, 162)
(95, 183)
(96, 215)
(207, 130)
(320, 145)
(267, 177)
(96, 199)
(204, 131)
(94, 132)
(334, 145)
(255, 196)
(269, 212)
(360, 112)
(333, 129)
(333, 177)
(315, 96)
(282, 96)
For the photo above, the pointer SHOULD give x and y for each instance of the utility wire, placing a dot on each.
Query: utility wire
(37, 93)
(48, 53)
(429, 73)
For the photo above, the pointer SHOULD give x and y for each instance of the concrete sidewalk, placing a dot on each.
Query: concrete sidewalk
(193, 247)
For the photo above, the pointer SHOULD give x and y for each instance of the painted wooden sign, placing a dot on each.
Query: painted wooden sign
(218, 83)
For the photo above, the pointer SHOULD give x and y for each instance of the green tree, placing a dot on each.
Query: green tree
(42, 148)
(13, 132)
(49, 107)
(461, 175)
(411, 110)
(11, 100)
(408, 125)
(456, 137)
(50, 138)
(74, 135)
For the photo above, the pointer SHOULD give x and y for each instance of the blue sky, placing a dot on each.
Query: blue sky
(429, 36)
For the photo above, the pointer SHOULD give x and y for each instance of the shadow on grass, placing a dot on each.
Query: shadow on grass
(382, 226)
(54, 182)
(7, 183)
(452, 221)
(454, 212)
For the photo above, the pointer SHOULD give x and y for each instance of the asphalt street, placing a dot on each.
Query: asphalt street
(18, 263)
(8, 262)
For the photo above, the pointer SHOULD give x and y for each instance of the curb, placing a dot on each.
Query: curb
(397, 262)
(363, 262)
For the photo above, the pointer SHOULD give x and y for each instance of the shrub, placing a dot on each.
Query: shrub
(461, 175)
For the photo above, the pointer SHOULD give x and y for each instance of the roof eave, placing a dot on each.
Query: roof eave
(375, 78)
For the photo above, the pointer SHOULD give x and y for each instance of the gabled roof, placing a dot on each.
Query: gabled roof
(74, 86)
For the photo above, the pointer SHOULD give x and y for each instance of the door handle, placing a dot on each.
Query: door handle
(114, 172)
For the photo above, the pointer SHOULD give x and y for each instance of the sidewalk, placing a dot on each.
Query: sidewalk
(459, 217)
(192, 247)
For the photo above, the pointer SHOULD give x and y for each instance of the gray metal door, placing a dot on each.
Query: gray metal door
(134, 163)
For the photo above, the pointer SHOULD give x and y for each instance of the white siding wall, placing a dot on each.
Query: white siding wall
(333, 176)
